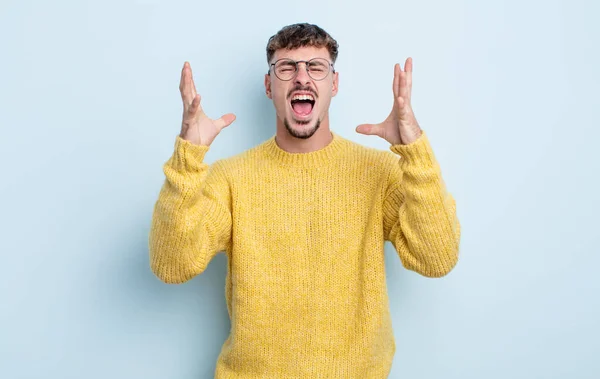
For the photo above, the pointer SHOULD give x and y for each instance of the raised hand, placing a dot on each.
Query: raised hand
(196, 127)
(401, 126)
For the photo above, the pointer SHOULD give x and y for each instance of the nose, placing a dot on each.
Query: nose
(302, 74)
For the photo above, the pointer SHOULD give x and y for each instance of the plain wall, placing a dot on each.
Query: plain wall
(89, 112)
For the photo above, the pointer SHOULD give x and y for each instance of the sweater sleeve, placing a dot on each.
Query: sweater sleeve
(419, 213)
(191, 221)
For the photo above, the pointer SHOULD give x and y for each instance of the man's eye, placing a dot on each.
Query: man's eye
(317, 67)
(286, 68)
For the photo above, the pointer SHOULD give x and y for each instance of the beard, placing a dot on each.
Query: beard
(305, 134)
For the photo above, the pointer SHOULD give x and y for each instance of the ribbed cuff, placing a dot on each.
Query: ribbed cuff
(188, 156)
(418, 152)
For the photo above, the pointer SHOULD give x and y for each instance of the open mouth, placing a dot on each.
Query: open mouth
(302, 105)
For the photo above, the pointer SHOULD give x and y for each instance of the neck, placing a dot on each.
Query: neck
(320, 139)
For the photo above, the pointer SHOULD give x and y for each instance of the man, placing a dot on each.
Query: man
(303, 218)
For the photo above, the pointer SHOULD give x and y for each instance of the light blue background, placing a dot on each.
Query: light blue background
(89, 111)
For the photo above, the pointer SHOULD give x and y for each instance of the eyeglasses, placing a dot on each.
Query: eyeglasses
(286, 69)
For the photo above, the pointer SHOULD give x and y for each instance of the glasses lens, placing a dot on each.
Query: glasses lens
(285, 69)
(318, 68)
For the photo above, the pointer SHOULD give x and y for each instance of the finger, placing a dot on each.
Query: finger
(195, 106)
(192, 84)
(182, 76)
(409, 71)
(369, 129)
(191, 87)
(184, 86)
(402, 103)
(396, 79)
(225, 121)
(403, 90)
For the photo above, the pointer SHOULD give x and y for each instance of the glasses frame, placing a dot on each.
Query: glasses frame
(306, 64)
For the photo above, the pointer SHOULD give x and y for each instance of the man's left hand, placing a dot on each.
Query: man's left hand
(401, 126)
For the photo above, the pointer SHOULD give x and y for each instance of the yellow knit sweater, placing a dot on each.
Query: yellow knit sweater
(304, 236)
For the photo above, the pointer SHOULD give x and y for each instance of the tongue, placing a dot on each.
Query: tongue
(302, 108)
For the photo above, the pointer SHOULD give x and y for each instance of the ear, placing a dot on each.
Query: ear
(336, 82)
(268, 86)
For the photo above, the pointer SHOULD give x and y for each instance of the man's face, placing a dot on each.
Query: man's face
(301, 118)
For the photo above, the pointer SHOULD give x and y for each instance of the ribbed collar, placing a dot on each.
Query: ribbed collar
(311, 160)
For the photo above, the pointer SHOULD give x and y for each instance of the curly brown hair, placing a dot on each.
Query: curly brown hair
(301, 35)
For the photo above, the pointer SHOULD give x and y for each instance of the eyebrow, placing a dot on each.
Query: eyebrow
(296, 60)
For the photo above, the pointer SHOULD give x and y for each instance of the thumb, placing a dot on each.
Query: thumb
(368, 129)
(225, 121)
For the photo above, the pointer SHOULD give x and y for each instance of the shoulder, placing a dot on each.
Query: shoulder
(240, 162)
(370, 156)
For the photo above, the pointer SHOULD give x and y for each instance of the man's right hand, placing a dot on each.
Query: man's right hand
(196, 127)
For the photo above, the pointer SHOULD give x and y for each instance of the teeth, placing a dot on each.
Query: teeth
(303, 97)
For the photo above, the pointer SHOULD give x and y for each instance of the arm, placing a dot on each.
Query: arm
(191, 222)
(419, 213)
(192, 217)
